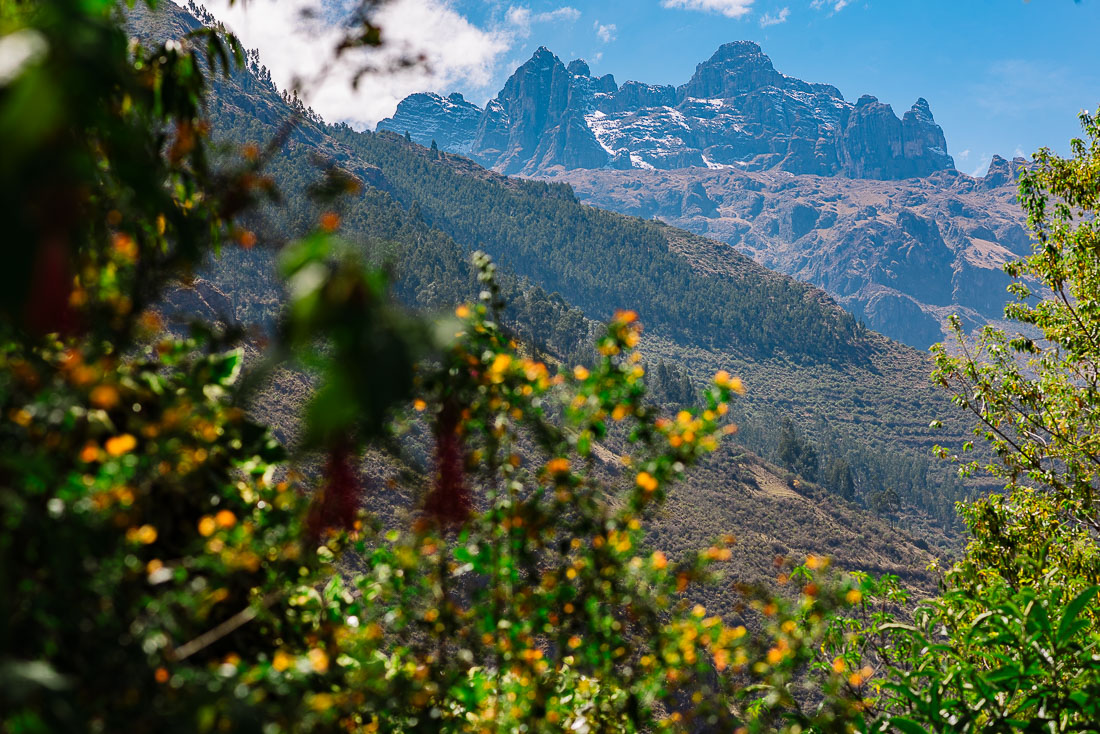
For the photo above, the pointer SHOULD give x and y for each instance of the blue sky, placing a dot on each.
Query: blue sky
(1001, 76)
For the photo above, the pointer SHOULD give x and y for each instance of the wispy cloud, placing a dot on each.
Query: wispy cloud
(768, 19)
(728, 8)
(297, 45)
(834, 6)
(606, 33)
(520, 18)
(1015, 87)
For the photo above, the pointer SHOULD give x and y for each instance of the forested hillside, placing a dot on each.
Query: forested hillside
(861, 400)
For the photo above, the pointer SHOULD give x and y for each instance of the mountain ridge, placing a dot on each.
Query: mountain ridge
(736, 111)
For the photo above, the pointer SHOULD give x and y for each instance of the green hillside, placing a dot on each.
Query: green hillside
(852, 395)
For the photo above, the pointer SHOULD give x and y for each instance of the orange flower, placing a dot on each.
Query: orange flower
(660, 560)
(646, 481)
(854, 596)
(246, 239)
(557, 466)
(161, 675)
(580, 372)
(89, 453)
(225, 519)
(124, 245)
(330, 221)
(104, 396)
(119, 445)
(626, 317)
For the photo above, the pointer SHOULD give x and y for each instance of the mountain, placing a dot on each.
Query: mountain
(899, 255)
(735, 112)
(860, 399)
(848, 197)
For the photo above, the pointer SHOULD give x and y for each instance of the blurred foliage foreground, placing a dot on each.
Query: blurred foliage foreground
(165, 566)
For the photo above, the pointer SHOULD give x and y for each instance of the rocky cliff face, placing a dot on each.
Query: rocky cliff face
(451, 121)
(900, 255)
(735, 112)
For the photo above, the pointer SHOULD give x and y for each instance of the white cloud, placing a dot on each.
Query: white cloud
(296, 46)
(606, 33)
(835, 5)
(962, 155)
(520, 18)
(728, 8)
(781, 17)
(564, 14)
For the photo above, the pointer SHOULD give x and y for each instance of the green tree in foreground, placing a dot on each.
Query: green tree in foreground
(1012, 642)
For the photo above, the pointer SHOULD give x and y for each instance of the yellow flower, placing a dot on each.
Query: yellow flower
(854, 596)
(282, 661)
(207, 526)
(499, 365)
(145, 534)
(318, 660)
(419, 405)
(580, 372)
(119, 445)
(462, 312)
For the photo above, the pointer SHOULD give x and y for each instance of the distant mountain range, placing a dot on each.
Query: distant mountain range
(846, 196)
(736, 111)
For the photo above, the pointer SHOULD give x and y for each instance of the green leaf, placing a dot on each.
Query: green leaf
(1068, 626)
(908, 726)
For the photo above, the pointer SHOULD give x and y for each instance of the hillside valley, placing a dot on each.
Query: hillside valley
(860, 401)
(849, 197)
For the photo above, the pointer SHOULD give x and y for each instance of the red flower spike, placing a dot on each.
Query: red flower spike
(338, 503)
(48, 307)
(449, 501)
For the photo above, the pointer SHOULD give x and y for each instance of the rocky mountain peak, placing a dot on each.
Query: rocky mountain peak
(578, 67)
(735, 68)
(921, 111)
(736, 111)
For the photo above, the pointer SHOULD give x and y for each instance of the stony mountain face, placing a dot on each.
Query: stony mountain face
(847, 196)
(736, 111)
(451, 121)
(901, 255)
